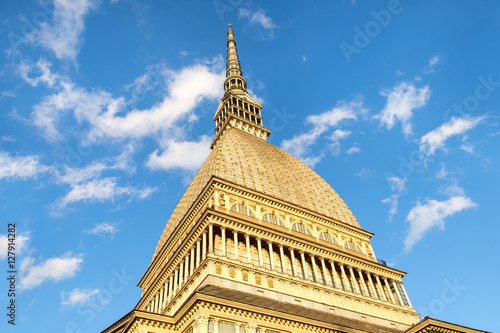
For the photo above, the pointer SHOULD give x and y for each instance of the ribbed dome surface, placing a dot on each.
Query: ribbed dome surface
(251, 162)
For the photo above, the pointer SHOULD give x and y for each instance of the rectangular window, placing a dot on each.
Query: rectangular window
(226, 327)
(402, 294)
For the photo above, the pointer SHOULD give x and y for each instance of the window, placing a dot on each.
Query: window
(271, 218)
(402, 294)
(242, 209)
(223, 326)
(324, 236)
(299, 227)
(226, 327)
(352, 246)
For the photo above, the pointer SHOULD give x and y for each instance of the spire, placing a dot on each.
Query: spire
(237, 109)
(234, 78)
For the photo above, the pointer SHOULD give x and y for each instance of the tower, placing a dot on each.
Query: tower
(261, 243)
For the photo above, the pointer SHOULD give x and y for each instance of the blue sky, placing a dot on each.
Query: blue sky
(106, 115)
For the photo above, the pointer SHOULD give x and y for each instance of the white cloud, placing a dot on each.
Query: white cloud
(103, 228)
(467, 147)
(398, 184)
(78, 296)
(436, 138)
(108, 117)
(20, 167)
(20, 242)
(257, 18)
(85, 105)
(336, 136)
(300, 144)
(188, 155)
(78, 175)
(7, 138)
(353, 150)
(74, 176)
(442, 173)
(423, 217)
(63, 35)
(54, 269)
(99, 190)
(431, 64)
(186, 88)
(42, 67)
(398, 187)
(402, 100)
(363, 173)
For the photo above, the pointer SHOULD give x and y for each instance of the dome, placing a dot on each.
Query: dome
(251, 162)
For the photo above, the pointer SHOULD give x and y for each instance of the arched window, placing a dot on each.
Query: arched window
(352, 246)
(242, 209)
(299, 227)
(271, 218)
(324, 236)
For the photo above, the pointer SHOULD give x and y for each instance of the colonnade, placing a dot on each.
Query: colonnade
(287, 260)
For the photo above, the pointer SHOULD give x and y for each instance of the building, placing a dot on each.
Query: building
(261, 243)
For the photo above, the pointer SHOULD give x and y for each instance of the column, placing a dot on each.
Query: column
(325, 272)
(366, 292)
(389, 290)
(344, 278)
(271, 254)
(354, 282)
(160, 306)
(294, 265)
(204, 245)
(247, 241)
(259, 247)
(192, 261)
(181, 279)
(165, 294)
(304, 270)
(397, 293)
(381, 289)
(176, 280)
(223, 232)
(335, 276)
(155, 302)
(374, 290)
(186, 269)
(210, 239)
(200, 324)
(216, 198)
(282, 257)
(259, 213)
(170, 288)
(235, 240)
(314, 269)
(198, 246)
(216, 325)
